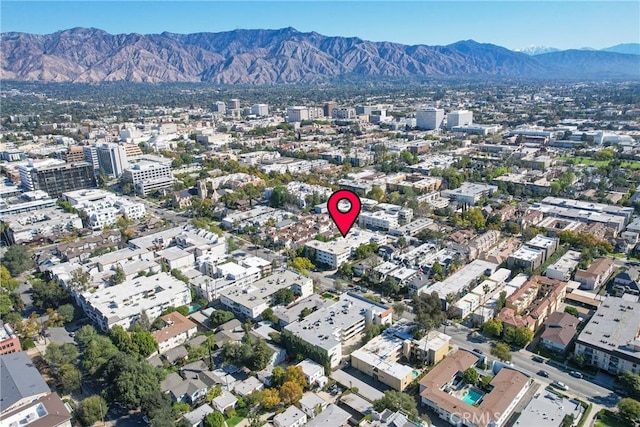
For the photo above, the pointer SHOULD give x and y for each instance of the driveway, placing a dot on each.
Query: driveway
(365, 390)
(59, 336)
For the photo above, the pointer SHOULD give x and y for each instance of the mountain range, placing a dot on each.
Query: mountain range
(626, 48)
(283, 56)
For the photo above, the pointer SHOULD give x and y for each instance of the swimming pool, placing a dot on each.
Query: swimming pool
(472, 397)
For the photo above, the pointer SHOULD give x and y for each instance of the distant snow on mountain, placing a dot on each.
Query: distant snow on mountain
(537, 50)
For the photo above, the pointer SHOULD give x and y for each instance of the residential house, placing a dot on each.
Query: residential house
(196, 417)
(597, 274)
(224, 402)
(312, 404)
(559, 330)
(292, 417)
(177, 331)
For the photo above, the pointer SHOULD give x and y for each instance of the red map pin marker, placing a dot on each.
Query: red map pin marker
(344, 219)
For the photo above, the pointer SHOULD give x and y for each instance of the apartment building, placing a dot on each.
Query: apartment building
(597, 274)
(251, 300)
(469, 193)
(9, 341)
(46, 223)
(611, 339)
(177, 331)
(148, 176)
(124, 303)
(343, 322)
(443, 390)
(336, 253)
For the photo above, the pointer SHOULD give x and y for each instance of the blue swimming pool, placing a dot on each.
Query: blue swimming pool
(472, 397)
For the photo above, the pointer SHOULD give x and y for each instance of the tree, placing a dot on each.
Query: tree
(296, 375)
(6, 281)
(502, 352)
(48, 295)
(67, 311)
(17, 259)
(212, 393)
(130, 379)
(54, 319)
(214, 419)
(397, 401)
(269, 316)
(571, 310)
(302, 265)
(261, 356)
(278, 196)
(156, 406)
(629, 410)
(390, 286)
(58, 355)
(80, 279)
(290, 392)
(523, 336)
(283, 296)
(219, 317)
(278, 377)
(144, 343)
(29, 328)
(97, 353)
(502, 300)
(631, 383)
(70, 378)
(376, 193)
(437, 271)
(92, 409)
(119, 276)
(492, 327)
(398, 308)
(427, 309)
(470, 376)
(269, 398)
(180, 408)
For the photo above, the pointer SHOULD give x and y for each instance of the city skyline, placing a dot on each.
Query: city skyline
(412, 23)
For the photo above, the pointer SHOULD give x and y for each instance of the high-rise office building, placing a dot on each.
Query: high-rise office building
(56, 179)
(329, 107)
(429, 118)
(459, 118)
(91, 156)
(297, 114)
(233, 104)
(219, 107)
(112, 159)
(260, 109)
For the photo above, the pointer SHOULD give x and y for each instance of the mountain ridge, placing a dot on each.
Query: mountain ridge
(280, 56)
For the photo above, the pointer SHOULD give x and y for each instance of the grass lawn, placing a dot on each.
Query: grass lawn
(231, 422)
(605, 420)
(329, 295)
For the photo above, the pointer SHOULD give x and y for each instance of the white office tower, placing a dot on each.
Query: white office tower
(429, 118)
(297, 114)
(260, 109)
(233, 104)
(112, 159)
(219, 107)
(459, 118)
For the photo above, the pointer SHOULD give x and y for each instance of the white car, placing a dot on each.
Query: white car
(560, 385)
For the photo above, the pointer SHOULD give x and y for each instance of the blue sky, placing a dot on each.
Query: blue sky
(513, 24)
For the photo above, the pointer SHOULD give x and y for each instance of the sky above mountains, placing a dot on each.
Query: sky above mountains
(512, 24)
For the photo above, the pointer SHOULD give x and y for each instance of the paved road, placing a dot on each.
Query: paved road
(522, 360)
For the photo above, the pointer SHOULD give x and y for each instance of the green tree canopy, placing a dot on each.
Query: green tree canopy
(631, 383)
(129, 379)
(492, 327)
(629, 410)
(17, 259)
(502, 352)
(92, 409)
(214, 419)
(397, 401)
(219, 317)
(470, 376)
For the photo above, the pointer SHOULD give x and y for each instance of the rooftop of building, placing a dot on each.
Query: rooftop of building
(46, 411)
(323, 327)
(20, 379)
(289, 416)
(615, 327)
(560, 328)
(259, 292)
(176, 324)
(116, 302)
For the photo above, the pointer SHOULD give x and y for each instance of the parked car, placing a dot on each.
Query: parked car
(544, 374)
(576, 374)
(560, 385)
(538, 359)
(477, 350)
